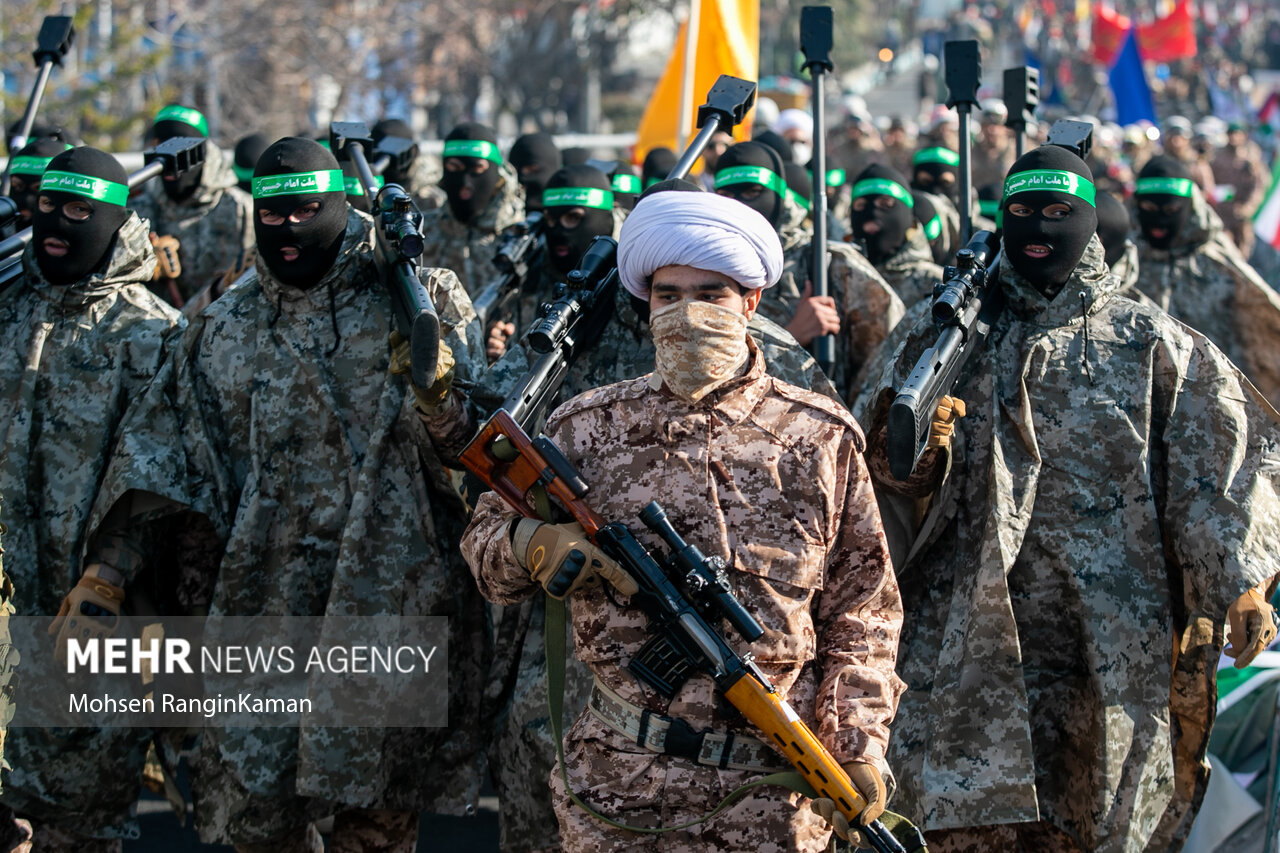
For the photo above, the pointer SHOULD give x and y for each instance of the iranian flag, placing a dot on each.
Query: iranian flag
(1266, 222)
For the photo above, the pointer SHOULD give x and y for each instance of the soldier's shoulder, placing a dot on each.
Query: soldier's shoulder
(606, 396)
(136, 301)
(818, 408)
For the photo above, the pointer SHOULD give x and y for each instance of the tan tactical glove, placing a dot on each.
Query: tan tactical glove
(559, 557)
(867, 779)
(950, 410)
(431, 400)
(90, 610)
(1252, 626)
(166, 248)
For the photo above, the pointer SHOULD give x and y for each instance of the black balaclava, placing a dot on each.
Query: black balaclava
(777, 142)
(657, 164)
(173, 121)
(85, 175)
(26, 167)
(248, 150)
(575, 156)
(747, 166)
(1166, 183)
(1041, 177)
(290, 173)
(38, 130)
(799, 184)
(399, 129)
(1113, 226)
(935, 170)
(471, 143)
(535, 158)
(890, 225)
(583, 187)
(626, 186)
(927, 217)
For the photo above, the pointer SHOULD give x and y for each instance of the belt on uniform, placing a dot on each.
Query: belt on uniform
(674, 736)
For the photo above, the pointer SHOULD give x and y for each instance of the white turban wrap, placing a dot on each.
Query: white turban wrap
(793, 119)
(700, 230)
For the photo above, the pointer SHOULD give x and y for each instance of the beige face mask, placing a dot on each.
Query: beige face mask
(699, 346)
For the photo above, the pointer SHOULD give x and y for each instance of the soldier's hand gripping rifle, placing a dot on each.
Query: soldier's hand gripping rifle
(965, 305)
(521, 250)
(56, 35)
(398, 243)
(683, 593)
(584, 305)
(171, 157)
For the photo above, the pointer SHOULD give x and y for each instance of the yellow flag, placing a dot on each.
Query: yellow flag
(728, 42)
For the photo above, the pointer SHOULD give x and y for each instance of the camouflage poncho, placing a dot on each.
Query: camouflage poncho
(1113, 491)
(275, 417)
(76, 356)
(1203, 281)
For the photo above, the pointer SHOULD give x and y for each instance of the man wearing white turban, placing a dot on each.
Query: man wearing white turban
(767, 476)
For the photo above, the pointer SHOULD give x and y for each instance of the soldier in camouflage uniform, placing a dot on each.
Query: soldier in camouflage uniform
(861, 309)
(85, 338)
(1190, 268)
(211, 218)
(1242, 177)
(25, 169)
(881, 219)
(484, 199)
(706, 259)
(1109, 496)
(524, 749)
(535, 159)
(275, 418)
(1119, 252)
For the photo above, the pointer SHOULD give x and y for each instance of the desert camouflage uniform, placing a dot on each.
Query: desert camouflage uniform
(468, 249)
(76, 356)
(1204, 282)
(810, 563)
(1111, 491)
(524, 749)
(868, 307)
(910, 271)
(1244, 172)
(214, 226)
(275, 417)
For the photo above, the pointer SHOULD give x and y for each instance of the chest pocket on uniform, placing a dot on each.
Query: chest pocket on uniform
(777, 583)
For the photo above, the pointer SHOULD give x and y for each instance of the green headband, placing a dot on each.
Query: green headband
(653, 181)
(945, 156)
(578, 197)
(353, 186)
(988, 207)
(883, 186)
(89, 187)
(1051, 180)
(933, 228)
(477, 148)
(626, 184)
(1164, 186)
(835, 177)
(751, 175)
(244, 173)
(186, 115)
(298, 183)
(27, 165)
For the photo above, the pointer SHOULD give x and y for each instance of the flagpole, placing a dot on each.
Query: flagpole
(687, 74)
